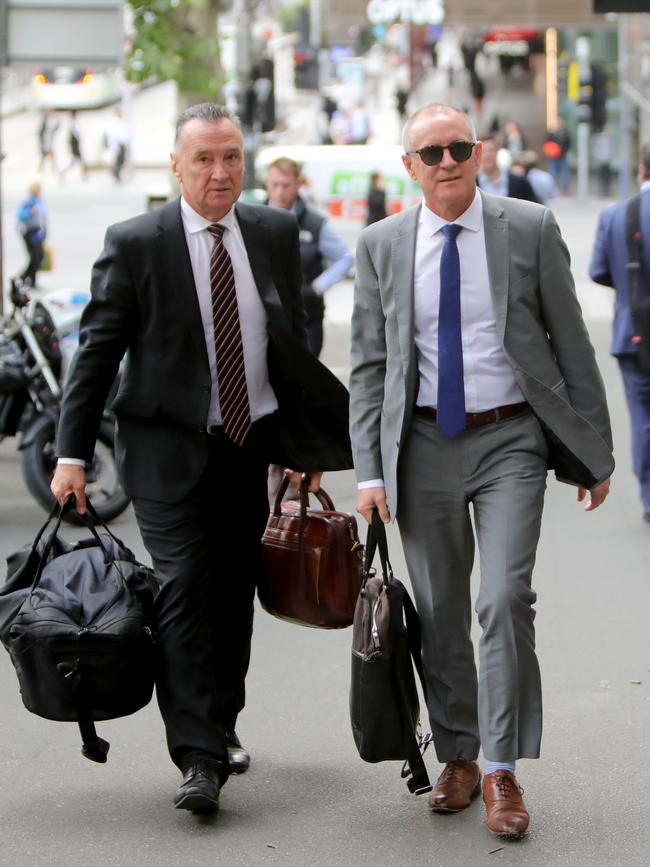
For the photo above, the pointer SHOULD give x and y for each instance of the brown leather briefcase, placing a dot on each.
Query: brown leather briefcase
(312, 562)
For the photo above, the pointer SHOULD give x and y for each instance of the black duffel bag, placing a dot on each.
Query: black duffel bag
(384, 704)
(76, 620)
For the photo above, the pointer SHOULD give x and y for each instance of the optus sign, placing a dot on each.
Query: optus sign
(408, 11)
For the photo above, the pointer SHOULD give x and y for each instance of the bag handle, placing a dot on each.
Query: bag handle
(376, 538)
(322, 496)
(90, 518)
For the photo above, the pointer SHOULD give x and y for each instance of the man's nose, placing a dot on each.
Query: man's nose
(219, 169)
(447, 160)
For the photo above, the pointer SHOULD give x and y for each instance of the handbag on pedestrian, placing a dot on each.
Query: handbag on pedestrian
(311, 561)
(384, 704)
(76, 621)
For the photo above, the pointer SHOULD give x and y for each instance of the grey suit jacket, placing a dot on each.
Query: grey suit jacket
(539, 322)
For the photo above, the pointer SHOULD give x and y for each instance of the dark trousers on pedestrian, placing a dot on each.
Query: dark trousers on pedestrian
(118, 164)
(206, 551)
(315, 336)
(637, 394)
(34, 244)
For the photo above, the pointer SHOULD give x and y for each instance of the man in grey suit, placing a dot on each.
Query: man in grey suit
(472, 374)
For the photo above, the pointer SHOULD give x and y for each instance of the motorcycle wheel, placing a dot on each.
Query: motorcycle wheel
(102, 484)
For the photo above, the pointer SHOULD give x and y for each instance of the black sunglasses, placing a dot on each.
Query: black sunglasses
(460, 152)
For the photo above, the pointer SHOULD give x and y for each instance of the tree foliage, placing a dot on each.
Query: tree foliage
(177, 40)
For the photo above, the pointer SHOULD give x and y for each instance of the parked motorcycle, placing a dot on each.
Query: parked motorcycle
(31, 365)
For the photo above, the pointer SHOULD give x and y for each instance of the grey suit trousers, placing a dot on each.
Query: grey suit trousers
(500, 469)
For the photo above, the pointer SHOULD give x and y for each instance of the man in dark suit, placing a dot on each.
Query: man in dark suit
(203, 297)
(495, 180)
(609, 267)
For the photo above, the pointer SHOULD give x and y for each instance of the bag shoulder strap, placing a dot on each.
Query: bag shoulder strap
(634, 244)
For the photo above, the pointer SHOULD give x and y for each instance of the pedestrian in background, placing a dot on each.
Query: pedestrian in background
(477, 89)
(46, 133)
(556, 147)
(608, 267)
(117, 142)
(359, 124)
(467, 348)
(324, 257)
(499, 181)
(204, 295)
(74, 143)
(513, 138)
(542, 182)
(376, 200)
(602, 150)
(341, 127)
(31, 222)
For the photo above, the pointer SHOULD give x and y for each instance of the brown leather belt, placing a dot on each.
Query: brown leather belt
(478, 419)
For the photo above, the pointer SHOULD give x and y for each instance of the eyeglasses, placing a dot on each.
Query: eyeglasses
(460, 152)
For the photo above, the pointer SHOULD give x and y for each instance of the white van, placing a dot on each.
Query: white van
(338, 178)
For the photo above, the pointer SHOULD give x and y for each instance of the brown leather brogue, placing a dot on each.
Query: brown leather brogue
(506, 811)
(455, 787)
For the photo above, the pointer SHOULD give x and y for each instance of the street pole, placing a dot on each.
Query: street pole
(584, 118)
(2, 273)
(241, 9)
(624, 115)
(3, 63)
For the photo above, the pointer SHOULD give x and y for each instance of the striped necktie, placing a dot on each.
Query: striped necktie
(451, 385)
(231, 375)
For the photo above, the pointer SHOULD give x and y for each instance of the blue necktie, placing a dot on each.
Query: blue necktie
(451, 386)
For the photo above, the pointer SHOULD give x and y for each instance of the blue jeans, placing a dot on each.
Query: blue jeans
(559, 168)
(637, 393)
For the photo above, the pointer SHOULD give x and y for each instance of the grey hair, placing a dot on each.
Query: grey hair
(433, 108)
(208, 111)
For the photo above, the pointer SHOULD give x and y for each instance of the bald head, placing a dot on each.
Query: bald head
(429, 112)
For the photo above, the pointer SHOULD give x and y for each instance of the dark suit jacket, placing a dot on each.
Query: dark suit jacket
(609, 267)
(144, 303)
(520, 188)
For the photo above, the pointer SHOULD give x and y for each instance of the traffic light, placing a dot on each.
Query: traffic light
(598, 96)
(305, 62)
(583, 112)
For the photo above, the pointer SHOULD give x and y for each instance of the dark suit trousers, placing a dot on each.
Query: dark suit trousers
(206, 551)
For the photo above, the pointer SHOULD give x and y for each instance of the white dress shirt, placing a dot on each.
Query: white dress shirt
(252, 316)
(488, 375)
(489, 378)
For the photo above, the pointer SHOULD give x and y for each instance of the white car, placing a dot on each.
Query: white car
(74, 87)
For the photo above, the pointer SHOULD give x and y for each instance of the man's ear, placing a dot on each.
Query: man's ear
(407, 162)
(175, 172)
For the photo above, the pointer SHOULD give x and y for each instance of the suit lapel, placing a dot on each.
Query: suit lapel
(497, 236)
(403, 265)
(257, 242)
(175, 270)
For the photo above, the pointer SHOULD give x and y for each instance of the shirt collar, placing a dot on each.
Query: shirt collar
(645, 186)
(471, 219)
(194, 222)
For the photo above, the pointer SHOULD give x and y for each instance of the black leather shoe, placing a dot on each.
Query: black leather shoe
(239, 759)
(199, 791)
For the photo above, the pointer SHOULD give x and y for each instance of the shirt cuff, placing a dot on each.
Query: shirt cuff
(72, 462)
(371, 483)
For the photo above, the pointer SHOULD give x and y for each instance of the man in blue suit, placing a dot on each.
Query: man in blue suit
(609, 267)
